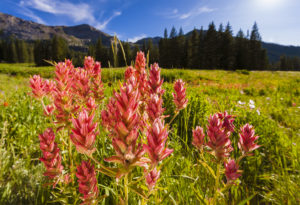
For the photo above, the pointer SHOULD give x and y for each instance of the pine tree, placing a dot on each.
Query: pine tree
(12, 56)
(173, 32)
(227, 49)
(211, 38)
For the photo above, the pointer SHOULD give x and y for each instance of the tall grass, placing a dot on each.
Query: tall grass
(270, 176)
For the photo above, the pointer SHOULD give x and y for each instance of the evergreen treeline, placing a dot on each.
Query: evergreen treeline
(213, 49)
(200, 49)
(15, 51)
(289, 63)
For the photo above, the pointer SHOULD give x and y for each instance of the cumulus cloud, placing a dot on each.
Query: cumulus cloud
(76, 11)
(136, 38)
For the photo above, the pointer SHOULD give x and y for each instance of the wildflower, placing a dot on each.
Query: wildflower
(81, 84)
(129, 72)
(227, 121)
(151, 178)
(140, 62)
(251, 104)
(198, 137)
(5, 104)
(37, 85)
(258, 112)
(241, 103)
(87, 182)
(154, 107)
(156, 147)
(155, 82)
(51, 157)
(232, 171)
(84, 134)
(179, 96)
(90, 104)
(247, 138)
(122, 120)
(219, 141)
(48, 110)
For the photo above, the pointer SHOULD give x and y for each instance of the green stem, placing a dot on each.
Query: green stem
(217, 183)
(70, 156)
(176, 113)
(126, 189)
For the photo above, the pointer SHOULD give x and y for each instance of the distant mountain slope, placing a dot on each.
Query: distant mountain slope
(276, 50)
(79, 35)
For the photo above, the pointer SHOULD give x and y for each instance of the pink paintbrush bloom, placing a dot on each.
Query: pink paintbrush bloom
(156, 148)
(84, 133)
(247, 139)
(198, 137)
(49, 87)
(88, 63)
(219, 141)
(232, 171)
(179, 97)
(140, 62)
(151, 178)
(48, 110)
(122, 120)
(130, 71)
(81, 84)
(51, 157)
(91, 104)
(96, 85)
(37, 85)
(227, 121)
(154, 107)
(87, 182)
(63, 75)
(155, 82)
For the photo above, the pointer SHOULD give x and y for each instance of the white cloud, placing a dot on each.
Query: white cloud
(31, 15)
(136, 38)
(196, 12)
(77, 12)
(102, 25)
(174, 13)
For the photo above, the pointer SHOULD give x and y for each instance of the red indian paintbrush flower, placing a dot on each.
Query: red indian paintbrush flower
(87, 182)
(154, 107)
(227, 121)
(129, 72)
(48, 110)
(151, 178)
(84, 133)
(81, 84)
(37, 85)
(198, 137)
(232, 171)
(219, 141)
(155, 82)
(157, 136)
(122, 120)
(94, 71)
(179, 96)
(140, 62)
(247, 139)
(51, 157)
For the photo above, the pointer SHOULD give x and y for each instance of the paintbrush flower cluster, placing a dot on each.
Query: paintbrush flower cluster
(219, 130)
(133, 121)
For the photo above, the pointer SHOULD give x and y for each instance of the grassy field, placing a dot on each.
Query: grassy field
(270, 176)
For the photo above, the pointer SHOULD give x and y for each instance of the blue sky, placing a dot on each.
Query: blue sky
(278, 20)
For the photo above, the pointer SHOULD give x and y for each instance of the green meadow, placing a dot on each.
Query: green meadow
(270, 101)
